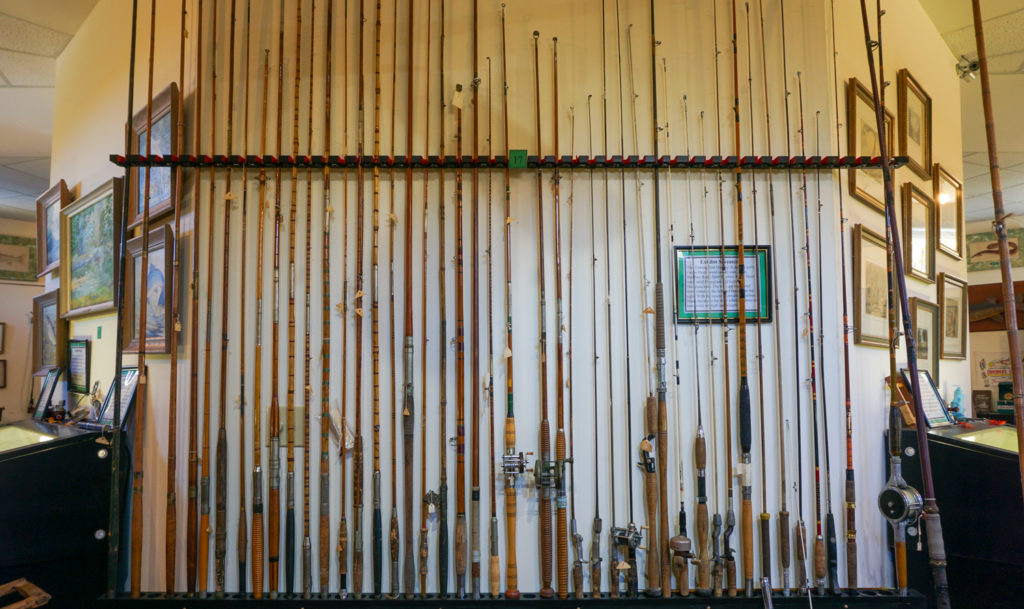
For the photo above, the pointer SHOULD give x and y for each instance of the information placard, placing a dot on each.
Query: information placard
(705, 273)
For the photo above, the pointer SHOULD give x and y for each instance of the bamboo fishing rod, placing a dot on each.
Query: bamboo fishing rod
(241, 544)
(409, 406)
(171, 518)
(513, 464)
(274, 419)
(343, 309)
(783, 517)
(394, 534)
(474, 505)
(574, 536)
(544, 481)
(561, 533)
(595, 540)
(494, 574)
(358, 300)
(324, 527)
(307, 389)
(426, 505)
(460, 365)
(257, 405)
(192, 516)
(377, 549)
(441, 498)
(141, 330)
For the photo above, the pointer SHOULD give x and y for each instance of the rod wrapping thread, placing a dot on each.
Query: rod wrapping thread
(595, 559)
(545, 517)
(561, 522)
(784, 547)
(851, 540)
(833, 558)
(764, 528)
(659, 316)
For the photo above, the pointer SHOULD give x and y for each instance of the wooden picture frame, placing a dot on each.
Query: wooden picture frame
(862, 140)
(89, 250)
(79, 352)
(18, 260)
(948, 193)
(924, 319)
(870, 289)
(49, 333)
(164, 142)
(3, 374)
(918, 234)
(915, 110)
(160, 289)
(3, 336)
(48, 208)
(953, 303)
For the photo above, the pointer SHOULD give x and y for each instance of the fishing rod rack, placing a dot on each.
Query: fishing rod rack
(693, 163)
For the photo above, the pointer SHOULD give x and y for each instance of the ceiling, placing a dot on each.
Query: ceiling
(32, 35)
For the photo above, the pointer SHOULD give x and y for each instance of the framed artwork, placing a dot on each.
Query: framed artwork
(924, 319)
(948, 193)
(915, 109)
(18, 259)
(918, 234)
(129, 381)
(981, 400)
(870, 289)
(953, 312)
(983, 250)
(3, 374)
(48, 207)
(78, 365)
(45, 393)
(164, 141)
(862, 140)
(159, 292)
(89, 250)
(699, 283)
(49, 333)
(3, 335)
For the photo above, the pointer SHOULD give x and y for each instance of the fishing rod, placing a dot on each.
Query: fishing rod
(784, 547)
(137, 462)
(595, 540)
(324, 528)
(474, 506)
(544, 475)
(440, 499)
(343, 430)
(394, 534)
(460, 365)
(513, 464)
(494, 574)
(171, 514)
(409, 405)
(933, 524)
(358, 300)
(426, 506)
(192, 512)
(257, 434)
(241, 542)
(575, 537)
(764, 519)
(377, 549)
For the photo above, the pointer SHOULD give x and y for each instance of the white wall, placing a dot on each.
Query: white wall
(16, 312)
(87, 130)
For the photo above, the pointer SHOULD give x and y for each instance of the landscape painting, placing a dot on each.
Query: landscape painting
(17, 258)
(48, 207)
(89, 250)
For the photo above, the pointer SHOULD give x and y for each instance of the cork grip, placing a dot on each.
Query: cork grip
(819, 558)
(460, 545)
(545, 518)
(901, 565)
(784, 554)
(748, 538)
(651, 497)
(681, 568)
(273, 539)
(204, 553)
(703, 564)
(851, 532)
(511, 569)
(666, 559)
(613, 573)
(424, 555)
(577, 580)
(325, 552)
(851, 563)
(730, 577)
(562, 537)
(343, 553)
(494, 576)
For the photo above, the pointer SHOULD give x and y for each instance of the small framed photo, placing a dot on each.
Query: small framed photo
(981, 400)
(953, 312)
(862, 140)
(3, 374)
(918, 234)
(948, 193)
(49, 333)
(78, 365)
(89, 250)
(159, 291)
(915, 109)
(164, 142)
(48, 207)
(46, 393)
(870, 289)
(924, 319)
(129, 381)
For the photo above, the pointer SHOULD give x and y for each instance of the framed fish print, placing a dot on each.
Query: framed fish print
(953, 313)
(159, 291)
(49, 333)
(918, 234)
(862, 140)
(48, 207)
(924, 319)
(89, 250)
(164, 142)
(870, 289)
(18, 259)
(948, 193)
(915, 110)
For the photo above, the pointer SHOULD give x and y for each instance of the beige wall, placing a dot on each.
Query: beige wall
(16, 312)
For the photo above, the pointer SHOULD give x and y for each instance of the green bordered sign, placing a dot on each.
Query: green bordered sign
(700, 281)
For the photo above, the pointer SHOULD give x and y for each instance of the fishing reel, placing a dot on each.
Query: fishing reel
(899, 502)
(646, 462)
(546, 474)
(513, 465)
(629, 536)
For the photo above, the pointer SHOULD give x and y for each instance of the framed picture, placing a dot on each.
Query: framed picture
(3, 374)
(953, 313)
(870, 289)
(924, 319)
(129, 381)
(78, 365)
(948, 193)
(18, 259)
(159, 292)
(862, 140)
(915, 109)
(700, 281)
(981, 400)
(3, 335)
(45, 393)
(983, 250)
(164, 141)
(89, 251)
(48, 207)
(918, 234)
(49, 333)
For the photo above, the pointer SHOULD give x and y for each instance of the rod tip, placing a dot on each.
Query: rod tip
(536, 34)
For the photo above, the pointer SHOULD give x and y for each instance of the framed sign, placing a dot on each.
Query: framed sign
(870, 289)
(953, 313)
(862, 140)
(915, 109)
(49, 333)
(48, 207)
(701, 283)
(89, 251)
(159, 291)
(129, 381)
(918, 234)
(78, 365)
(934, 406)
(948, 193)
(45, 393)
(163, 142)
(924, 319)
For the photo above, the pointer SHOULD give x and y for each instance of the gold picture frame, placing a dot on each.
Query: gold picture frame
(48, 208)
(165, 143)
(89, 243)
(915, 110)
(953, 307)
(924, 319)
(862, 140)
(49, 333)
(948, 193)
(870, 289)
(159, 288)
(918, 234)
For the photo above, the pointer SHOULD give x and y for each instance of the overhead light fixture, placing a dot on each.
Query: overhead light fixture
(967, 69)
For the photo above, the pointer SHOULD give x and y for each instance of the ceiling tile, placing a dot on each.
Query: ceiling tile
(38, 167)
(62, 15)
(20, 35)
(18, 212)
(21, 182)
(25, 70)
